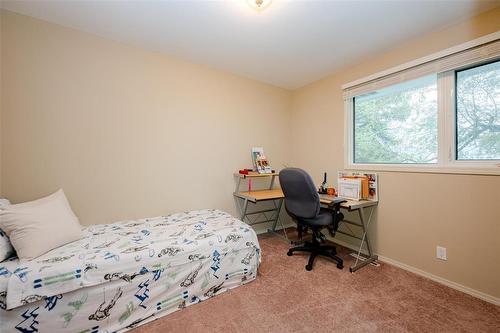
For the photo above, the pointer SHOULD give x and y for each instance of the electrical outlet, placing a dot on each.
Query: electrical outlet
(441, 253)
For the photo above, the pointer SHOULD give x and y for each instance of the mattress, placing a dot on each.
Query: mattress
(124, 274)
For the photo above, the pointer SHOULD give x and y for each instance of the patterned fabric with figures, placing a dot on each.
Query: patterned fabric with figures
(124, 274)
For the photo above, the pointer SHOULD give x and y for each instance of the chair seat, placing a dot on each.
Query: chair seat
(324, 218)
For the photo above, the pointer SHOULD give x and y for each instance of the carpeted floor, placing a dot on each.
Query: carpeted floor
(287, 298)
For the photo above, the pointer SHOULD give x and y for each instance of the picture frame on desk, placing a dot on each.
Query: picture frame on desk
(260, 162)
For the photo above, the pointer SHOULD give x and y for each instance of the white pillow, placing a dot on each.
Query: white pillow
(4, 203)
(39, 226)
(6, 249)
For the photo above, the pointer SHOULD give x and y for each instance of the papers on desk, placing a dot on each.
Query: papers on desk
(351, 188)
(358, 185)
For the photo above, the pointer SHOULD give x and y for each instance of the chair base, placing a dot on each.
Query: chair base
(316, 249)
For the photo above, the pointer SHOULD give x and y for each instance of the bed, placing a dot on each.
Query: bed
(125, 274)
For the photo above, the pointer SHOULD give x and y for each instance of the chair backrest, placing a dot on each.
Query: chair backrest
(301, 198)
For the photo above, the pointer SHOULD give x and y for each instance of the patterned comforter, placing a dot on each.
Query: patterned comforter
(157, 264)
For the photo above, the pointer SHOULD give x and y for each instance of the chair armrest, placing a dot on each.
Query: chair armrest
(335, 204)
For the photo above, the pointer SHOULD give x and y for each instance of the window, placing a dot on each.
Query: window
(440, 113)
(478, 112)
(397, 124)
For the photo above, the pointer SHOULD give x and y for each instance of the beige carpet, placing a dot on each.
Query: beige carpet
(287, 298)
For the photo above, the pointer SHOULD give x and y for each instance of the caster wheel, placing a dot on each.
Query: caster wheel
(309, 267)
(289, 253)
(340, 266)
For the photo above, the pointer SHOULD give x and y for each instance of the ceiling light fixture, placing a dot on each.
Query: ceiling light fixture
(259, 4)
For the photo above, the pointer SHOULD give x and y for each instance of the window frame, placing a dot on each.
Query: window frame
(447, 143)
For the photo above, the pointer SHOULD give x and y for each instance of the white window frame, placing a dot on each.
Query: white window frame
(446, 162)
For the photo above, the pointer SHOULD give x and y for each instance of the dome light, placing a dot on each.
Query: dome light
(259, 4)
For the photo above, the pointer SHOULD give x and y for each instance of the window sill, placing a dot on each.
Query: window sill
(419, 168)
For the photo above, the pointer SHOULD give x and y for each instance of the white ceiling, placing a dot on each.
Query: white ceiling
(290, 44)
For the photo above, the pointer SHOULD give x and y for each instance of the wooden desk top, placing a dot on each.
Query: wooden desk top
(240, 175)
(274, 194)
(349, 204)
(261, 195)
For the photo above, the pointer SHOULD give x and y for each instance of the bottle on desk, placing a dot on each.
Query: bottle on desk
(323, 189)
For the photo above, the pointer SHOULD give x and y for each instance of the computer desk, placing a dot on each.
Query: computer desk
(274, 195)
(360, 207)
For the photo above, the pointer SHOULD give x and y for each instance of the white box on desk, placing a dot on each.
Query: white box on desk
(349, 188)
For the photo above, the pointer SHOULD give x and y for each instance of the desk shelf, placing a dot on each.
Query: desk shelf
(257, 175)
(261, 195)
(348, 204)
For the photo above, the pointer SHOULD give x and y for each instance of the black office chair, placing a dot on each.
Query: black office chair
(302, 203)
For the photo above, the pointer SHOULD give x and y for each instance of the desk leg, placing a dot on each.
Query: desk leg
(237, 188)
(244, 210)
(371, 257)
(272, 182)
(278, 209)
(275, 222)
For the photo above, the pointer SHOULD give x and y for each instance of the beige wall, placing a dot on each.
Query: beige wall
(416, 211)
(126, 132)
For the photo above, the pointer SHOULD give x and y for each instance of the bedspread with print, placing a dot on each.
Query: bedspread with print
(125, 251)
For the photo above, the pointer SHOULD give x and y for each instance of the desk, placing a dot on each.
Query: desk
(271, 194)
(276, 195)
(360, 207)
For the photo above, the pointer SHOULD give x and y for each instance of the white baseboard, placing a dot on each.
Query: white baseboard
(443, 281)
